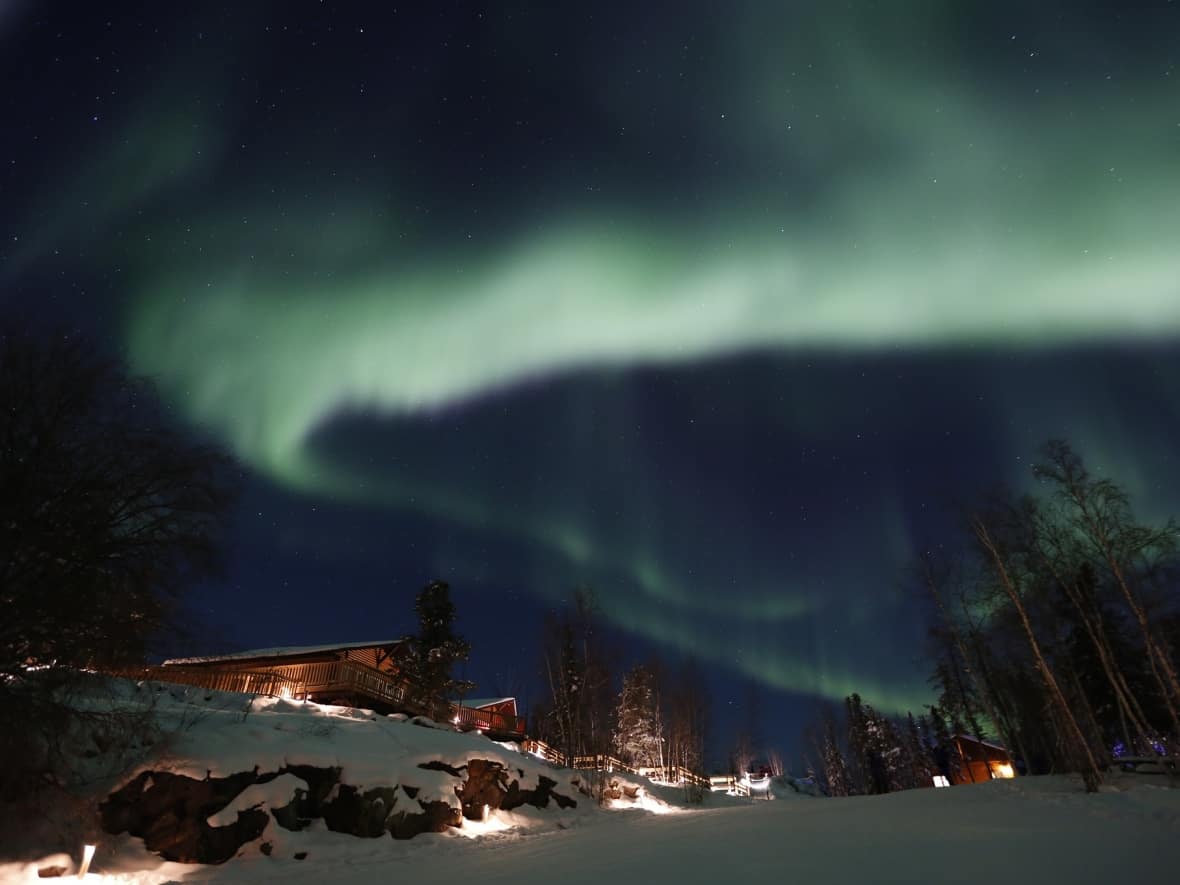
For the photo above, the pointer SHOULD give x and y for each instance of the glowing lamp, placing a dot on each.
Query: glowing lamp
(1002, 770)
(87, 857)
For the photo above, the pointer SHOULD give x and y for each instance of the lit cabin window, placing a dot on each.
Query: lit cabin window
(940, 780)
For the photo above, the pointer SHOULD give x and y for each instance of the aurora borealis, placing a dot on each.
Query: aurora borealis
(716, 312)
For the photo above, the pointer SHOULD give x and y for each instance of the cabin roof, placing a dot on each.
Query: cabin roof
(282, 652)
(980, 741)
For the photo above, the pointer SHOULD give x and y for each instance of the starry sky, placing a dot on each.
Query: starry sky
(717, 309)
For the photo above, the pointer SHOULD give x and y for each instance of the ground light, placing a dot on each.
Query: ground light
(87, 857)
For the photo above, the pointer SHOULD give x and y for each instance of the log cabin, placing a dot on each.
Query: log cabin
(980, 761)
(353, 674)
(369, 675)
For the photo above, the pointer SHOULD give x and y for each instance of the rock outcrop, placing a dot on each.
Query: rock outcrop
(171, 812)
(487, 784)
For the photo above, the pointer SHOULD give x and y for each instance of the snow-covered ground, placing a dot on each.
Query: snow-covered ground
(1030, 830)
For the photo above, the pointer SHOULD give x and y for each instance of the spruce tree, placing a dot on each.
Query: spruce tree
(858, 744)
(638, 736)
(917, 757)
(835, 768)
(946, 755)
(436, 647)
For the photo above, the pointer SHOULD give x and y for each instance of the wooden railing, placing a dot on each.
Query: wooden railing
(670, 774)
(486, 720)
(247, 681)
(673, 774)
(667, 774)
(349, 676)
(602, 762)
(543, 750)
(729, 784)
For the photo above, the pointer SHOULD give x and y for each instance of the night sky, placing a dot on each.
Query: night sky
(718, 309)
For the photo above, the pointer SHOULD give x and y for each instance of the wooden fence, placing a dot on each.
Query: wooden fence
(672, 774)
(602, 762)
(542, 750)
(728, 783)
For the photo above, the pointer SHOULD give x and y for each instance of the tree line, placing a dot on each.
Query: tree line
(1054, 627)
(651, 716)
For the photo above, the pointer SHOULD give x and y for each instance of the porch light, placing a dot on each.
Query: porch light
(87, 857)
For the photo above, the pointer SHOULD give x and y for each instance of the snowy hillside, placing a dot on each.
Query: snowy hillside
(1043, 830)
(221, 776)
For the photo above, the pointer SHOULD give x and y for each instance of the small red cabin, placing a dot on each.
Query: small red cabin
(981, 761)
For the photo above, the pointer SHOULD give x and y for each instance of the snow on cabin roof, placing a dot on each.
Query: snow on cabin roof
(476, 703)
(282, 652)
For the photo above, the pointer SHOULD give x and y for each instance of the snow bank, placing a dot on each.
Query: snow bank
(1029, 830)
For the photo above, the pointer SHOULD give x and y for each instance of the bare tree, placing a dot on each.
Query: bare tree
(687, 719)
(1076, 740)
(1099, 513)
(955, 638)
(578, 674)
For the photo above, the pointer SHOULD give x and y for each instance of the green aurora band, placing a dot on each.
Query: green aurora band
(951, 219)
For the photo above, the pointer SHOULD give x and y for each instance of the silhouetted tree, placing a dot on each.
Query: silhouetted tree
(686, 710)
(832, 760)
(943, 751)
(1005, 562)
(1098, 513)
(107, 512)
(437, 648)
(580, 716)
(916, 761)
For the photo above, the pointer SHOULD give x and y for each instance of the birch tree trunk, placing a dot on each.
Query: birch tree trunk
(1090, 772)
